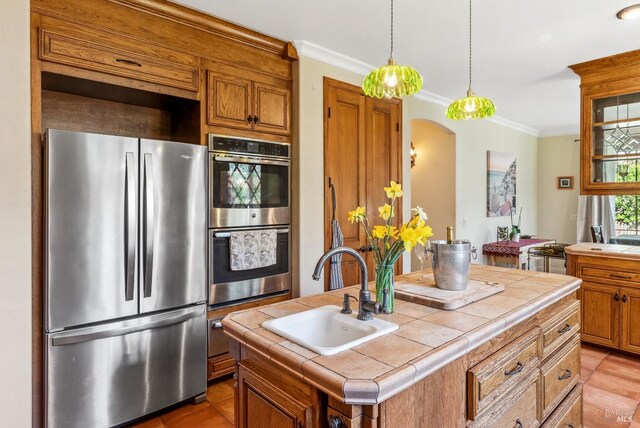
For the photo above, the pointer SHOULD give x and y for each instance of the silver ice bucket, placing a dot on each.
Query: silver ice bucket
(450, 263)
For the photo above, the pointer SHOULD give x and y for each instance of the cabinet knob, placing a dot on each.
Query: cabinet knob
(249, 118)
(256, 119)
(336, 422)
(624, 298)
(616, 297)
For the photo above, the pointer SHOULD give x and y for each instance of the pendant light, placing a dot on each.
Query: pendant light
(471, 106)
(392, 80)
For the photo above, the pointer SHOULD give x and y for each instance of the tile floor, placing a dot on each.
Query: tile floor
(611, 397)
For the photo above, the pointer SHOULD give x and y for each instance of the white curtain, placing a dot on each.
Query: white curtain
(596, 210)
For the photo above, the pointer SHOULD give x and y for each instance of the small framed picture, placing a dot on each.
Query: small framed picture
(565, 182)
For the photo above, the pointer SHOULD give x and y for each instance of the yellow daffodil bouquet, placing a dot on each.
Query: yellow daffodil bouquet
(388, 242)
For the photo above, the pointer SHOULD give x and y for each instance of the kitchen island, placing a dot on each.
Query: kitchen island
(512, 359)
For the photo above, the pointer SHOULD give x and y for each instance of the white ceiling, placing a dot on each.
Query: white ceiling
(521, 49)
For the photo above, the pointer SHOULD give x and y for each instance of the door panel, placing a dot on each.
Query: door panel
(91, 228)
(94, 375)
(229, 101)
(345, 166)
(630, 340)
(383, 152)
(600, 314)
(173, 224)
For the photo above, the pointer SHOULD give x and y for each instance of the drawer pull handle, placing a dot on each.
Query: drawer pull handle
(620, 276)
(569, 426)
(566, 375)
(128, 61)
(516, 370)
(518, 424)
(565, 329)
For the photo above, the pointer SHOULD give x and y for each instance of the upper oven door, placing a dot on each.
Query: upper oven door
(246, 191)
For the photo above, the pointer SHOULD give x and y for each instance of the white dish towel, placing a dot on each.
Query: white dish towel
(253, 249)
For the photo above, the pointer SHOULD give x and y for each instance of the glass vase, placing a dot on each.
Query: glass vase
(384, 281)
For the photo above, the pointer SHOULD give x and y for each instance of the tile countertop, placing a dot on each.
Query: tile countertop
(629, 252)
(426, 341)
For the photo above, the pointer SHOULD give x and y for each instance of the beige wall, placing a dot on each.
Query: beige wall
(557, 209)
(433, 178)
(473, 139)
(15, 217)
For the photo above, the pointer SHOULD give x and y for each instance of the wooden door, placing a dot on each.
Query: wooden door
(630, 329)
(344, 165)
(383, 160)
(362, 154)
(600, 314)
(262, 405)
(272, 105)
(229, 101)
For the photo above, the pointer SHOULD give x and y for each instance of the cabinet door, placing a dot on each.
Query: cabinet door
(263, 405)
(272, 105)
(229, 101)
(630, 331)
(600, 314)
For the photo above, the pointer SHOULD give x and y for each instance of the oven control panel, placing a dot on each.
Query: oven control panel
(219, 143)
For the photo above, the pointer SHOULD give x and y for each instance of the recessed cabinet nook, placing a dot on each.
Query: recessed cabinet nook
(610, 124)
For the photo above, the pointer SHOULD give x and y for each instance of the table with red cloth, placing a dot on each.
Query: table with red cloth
(511, 252)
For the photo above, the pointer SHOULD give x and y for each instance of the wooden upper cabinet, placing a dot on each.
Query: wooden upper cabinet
(610, 124)
(243, 100)
(229, 101)
(105, 52)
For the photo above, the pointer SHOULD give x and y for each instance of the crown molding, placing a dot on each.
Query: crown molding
(561, 132)
(337, 59)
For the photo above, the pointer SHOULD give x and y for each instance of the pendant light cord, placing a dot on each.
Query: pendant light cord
(391, 54)
(469, 44)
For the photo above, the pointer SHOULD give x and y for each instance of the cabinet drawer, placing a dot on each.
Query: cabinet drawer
(560, 374)
(117, 55)
(491, 379)
(559, 329)
(518, 409)
(569, 412)
(615, 274)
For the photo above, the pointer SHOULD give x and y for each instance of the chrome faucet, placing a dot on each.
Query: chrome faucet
(365, 305)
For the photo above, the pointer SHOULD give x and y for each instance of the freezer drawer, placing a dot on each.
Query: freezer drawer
(112, 373)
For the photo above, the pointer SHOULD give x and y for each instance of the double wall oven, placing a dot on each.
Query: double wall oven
(249, 189)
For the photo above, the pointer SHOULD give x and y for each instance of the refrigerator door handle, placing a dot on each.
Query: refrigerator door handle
(148, 219)
(81, 337)
(130, 226)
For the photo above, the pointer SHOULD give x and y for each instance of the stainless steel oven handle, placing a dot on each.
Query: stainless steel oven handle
(252, 161)
(228, 234)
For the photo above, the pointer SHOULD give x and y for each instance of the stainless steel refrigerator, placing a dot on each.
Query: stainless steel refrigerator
(125, 277)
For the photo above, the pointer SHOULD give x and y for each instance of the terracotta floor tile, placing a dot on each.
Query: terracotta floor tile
(624, 386)
(584, 374)
(602, 408)
(594, 351)
(226, 407)
(636, 417)
(620, 366)
(183, 410)
(590, 362)
(208, 417)
(220, 390)
(151, 423)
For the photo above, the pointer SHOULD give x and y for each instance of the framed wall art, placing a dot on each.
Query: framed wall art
(565, 183)
(501, 184)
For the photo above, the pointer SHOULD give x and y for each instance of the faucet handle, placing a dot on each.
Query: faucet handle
(346, 308)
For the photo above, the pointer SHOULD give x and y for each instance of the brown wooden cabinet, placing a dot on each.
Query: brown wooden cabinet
(610, 114)
(610, 296)
(600, 313)
(247, 101)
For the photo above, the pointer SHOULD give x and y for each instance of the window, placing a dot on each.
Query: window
(627, 209)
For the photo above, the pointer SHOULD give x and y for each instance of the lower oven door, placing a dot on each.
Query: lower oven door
(227, 286)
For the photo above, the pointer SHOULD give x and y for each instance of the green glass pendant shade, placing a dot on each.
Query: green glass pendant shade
(471, 107)
(392, 80)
